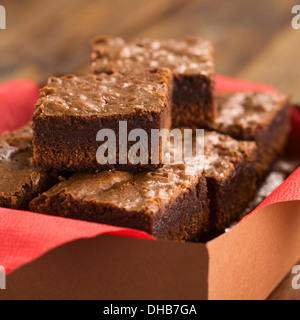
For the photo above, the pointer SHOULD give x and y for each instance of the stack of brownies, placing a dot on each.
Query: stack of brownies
(51, 166)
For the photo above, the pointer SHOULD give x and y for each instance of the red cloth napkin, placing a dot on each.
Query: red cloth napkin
(226, 84)
(17, 99)
(24, 236)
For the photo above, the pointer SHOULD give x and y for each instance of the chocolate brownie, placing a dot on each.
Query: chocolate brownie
(20, 182)
(191, 61)
(231, 180)
(229, 169)
(20, 138)
(261, 117)
(169, 203)
(72, 109)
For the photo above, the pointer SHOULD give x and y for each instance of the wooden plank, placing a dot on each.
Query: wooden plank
(52, 38)
(239, 30)
(278, 64)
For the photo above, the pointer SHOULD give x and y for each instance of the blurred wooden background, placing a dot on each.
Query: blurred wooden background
(254, 39)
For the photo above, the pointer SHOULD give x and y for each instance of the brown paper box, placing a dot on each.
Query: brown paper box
(248, 262)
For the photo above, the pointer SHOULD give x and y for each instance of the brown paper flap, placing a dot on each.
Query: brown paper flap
(249, 261)
(246, 263)
(109, 267)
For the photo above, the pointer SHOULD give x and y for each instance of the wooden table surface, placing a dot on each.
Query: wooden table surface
(254, 40)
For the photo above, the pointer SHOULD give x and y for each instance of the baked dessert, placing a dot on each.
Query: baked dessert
(170, 203)
(191, 60)
(73, 109)
(230, 174)
(20, 138)
(20, 181)
(229, 168)
(261, 117)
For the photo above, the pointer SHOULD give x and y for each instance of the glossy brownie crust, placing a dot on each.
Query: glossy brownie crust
(190, 60)
(168, 203)
(20, 182)
(259, 117)
(71, 110)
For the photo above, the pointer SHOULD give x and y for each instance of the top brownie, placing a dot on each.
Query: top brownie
(190, 56)
(190, 60)
(72, 109)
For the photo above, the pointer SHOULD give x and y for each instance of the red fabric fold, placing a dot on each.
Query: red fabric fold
(17, 99)
(24, 236)
(227, 84)
(289, 190)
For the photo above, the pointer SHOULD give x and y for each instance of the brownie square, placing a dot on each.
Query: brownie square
(231, 178)
(169, 203)
(229, 169)
(20, 138)
(72, 109)
(191, 60)
(20, 181)
(261, 117)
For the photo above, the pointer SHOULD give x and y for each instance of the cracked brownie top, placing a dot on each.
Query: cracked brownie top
(104, 94)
